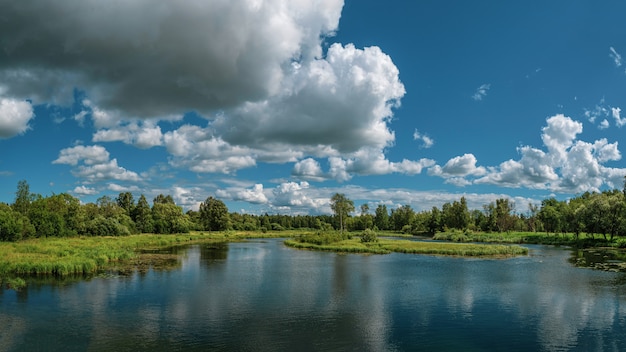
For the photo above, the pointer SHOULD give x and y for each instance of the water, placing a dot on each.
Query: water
(262, 296)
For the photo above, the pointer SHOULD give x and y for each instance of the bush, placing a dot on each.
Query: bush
(369, 236)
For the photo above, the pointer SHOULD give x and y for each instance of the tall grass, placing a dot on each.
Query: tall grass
(567, 239)
(384, 246)
(87, 255)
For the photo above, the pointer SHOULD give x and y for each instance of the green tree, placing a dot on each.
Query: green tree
(381, 217)
(341, 206)
(214, 215)
(434, 222)
(126, 201)
(14, 226)
(169, 218)
(23, 197)
(142, 215)
(162, 199)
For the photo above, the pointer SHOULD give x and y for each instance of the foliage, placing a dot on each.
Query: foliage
(415, 247)
(342, 207)
(14, 225)
(369, 236)
(214, 215)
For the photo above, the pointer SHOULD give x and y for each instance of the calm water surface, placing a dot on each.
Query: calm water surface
(262, 296)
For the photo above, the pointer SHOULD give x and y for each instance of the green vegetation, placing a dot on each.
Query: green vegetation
(336, 242)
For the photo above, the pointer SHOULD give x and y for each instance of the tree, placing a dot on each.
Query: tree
(214, 215)
(401, 217)
(142, 215)
(341, 206)
(23, 197)
(14, 226)
(381, 217)
(169, 218)
(126, 201)
(161, 199)
(434, 222)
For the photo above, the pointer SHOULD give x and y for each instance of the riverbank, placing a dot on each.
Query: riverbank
(76, 256)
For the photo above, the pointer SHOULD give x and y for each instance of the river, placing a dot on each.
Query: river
(262, 296)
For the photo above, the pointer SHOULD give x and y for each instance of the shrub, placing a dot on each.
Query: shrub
(369, 236)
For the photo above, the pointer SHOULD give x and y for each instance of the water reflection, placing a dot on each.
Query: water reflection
(263, 296)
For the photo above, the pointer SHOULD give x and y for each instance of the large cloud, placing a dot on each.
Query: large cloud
(14, 117)
(93, 164)
(569, 165)
(342, 101)
(158, 57)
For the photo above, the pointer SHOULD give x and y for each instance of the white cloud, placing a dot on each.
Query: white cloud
(14, 117)
(364, 162)
(92, 164)
(617, 58)
(119, 188)
(427, 142)
(337, 104)
(619, 121)
(142, 134)
(604, 124)
(481, 92)
(295, 196)
(569, 165)
(136, 59)
(254, 195)
(198, 150)
(86, 191)
(308, 169)
(457, 169)
(599, 111)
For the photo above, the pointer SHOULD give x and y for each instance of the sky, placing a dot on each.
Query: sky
(275, 105)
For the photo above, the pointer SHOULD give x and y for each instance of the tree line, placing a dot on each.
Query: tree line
(32, 215)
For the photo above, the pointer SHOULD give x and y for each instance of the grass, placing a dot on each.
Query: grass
(384, 246)
(567, 239)
(88, 255)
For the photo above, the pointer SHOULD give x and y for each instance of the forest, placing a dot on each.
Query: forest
(62, 215)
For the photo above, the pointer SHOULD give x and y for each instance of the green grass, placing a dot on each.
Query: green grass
(384, 246)
(567, 239)
(88, 255)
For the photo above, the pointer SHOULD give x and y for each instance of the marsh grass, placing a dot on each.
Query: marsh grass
(384, 246)
(88, 255)
(566, 239)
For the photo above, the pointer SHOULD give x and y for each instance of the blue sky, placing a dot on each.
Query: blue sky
(273, 106)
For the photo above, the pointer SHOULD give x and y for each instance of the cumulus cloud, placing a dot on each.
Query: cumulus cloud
(456, 169)
(365, 162)
(85, 191)
(568, 165)
(293, 195)
(93, 164)
(14, 117)
(308, 169)
(342, 101)
(137, 59)
(142, 134)
(254, 195)
(268, 89)
(481, 92)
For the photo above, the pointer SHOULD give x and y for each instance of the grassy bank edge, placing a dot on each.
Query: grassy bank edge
(385, 246)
